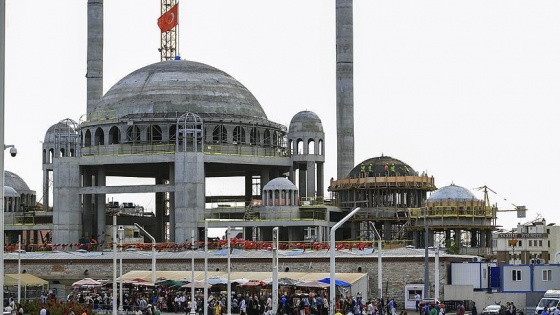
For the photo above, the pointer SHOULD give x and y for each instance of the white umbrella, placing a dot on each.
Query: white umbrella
(86, 282)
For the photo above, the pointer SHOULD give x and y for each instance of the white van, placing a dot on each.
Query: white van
(551, 299)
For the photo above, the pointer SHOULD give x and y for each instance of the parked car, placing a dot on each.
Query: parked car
(430, 301)
(495, 309)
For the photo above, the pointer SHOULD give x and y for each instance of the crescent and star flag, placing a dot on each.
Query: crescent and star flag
(169, 19)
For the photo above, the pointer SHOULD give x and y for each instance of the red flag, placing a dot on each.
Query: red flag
(169, 19)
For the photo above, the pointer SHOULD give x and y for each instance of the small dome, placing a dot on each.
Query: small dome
(179, 86)
(378, 166)
(9, 192)
(452, 192)
(16, 182)
(66, 126)
(306, 121)
(280, 183)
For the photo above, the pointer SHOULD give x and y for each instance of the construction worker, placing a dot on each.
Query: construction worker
(370, 170)
(386, 169)
(393, 169)
(362, 170)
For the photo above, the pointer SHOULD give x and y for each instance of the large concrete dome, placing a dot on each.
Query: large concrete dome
(179, 86)
(63, 127)
(452, 192)
(16, 182)
(378, 166)
(280, 183)
(306, 121)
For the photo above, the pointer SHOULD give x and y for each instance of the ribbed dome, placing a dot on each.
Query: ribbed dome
(306, 121)
(179, 86)
(452, 192)
(9, 192)
(378, 166)
(280, 183)
(16, 182)
(66, 126)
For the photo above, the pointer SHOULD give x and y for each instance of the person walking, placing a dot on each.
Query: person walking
(474, 311)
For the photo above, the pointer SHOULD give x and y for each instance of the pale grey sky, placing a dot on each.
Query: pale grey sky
(466, 90)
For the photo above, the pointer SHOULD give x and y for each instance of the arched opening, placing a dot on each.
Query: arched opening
(72, 153)
(172, 133)
(266, 138)
(99, 138)
(219, 134)
(299, 145)
(311, 146)
(291, 146)
(44, 156)
(275, 138)
(62, 152)
(133, 134)
(114, 135)
(51, 156)
(321, 147)
(87, 140)
(238, 135)
(254, 136)
(154, 133)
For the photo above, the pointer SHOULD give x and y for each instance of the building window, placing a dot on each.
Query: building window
(519, 243)
(530, 243)
(516, 275)
(547, 275)
(540, 243)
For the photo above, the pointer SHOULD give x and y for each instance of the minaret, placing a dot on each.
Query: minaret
(94, 73)
(344, 88)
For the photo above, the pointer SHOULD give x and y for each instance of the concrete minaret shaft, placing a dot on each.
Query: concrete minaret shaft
(94, 73)
(344, 88)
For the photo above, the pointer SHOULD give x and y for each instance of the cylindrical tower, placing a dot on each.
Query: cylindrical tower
(94, 73)
(344, 88)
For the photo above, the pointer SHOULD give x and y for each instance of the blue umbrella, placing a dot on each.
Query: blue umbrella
(337, 282)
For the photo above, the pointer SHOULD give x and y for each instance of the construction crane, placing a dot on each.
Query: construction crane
(521, 210)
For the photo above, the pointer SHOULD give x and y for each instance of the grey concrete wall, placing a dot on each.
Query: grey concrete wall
(67, 216)
(94, 73)
(189, 193)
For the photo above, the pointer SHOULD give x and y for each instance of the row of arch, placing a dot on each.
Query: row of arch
(20, 203)
(311, 146)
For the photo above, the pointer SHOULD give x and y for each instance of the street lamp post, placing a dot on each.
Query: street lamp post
(114, 263)
(228, 270)
(19, 270)
(332, 260)
(193, 303)
(2, 77)
(153, 251)
(121, 236)
(274, 270)
(205, 304)
(379, 263)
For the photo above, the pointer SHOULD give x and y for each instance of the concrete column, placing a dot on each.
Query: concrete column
(172, 204)
(94, 72)
(387, 230)
(320, 180)
(67, 218)
(100, 198)
(87, 217)
(302, 183)
(189, 193)
(474, 238)
(344, 87)
(265, 177)
(248, 188)
(46, 190)
(311, 173)
(488, 238)
(482, 240)
(159, 212)
(457, 237)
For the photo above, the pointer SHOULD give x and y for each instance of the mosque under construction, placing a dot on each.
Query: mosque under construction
(180, 123)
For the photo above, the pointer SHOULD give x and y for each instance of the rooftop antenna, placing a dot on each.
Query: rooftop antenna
(168, 23)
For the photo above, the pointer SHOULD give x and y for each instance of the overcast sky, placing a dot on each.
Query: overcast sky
(465, 90)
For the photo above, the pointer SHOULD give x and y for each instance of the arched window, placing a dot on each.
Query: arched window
(44, 156)
(238, 135)
(299, 146)
(114, 135)
(172, 133)
(321, 147)
(87, 140)
(219, 134)
(291, 146)
(275, 138)
(154, 133)
(254, 136)
(267, 139)
(99, 138)
(51, 155)
(62, 152)
(311, 146)
(133, 134)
